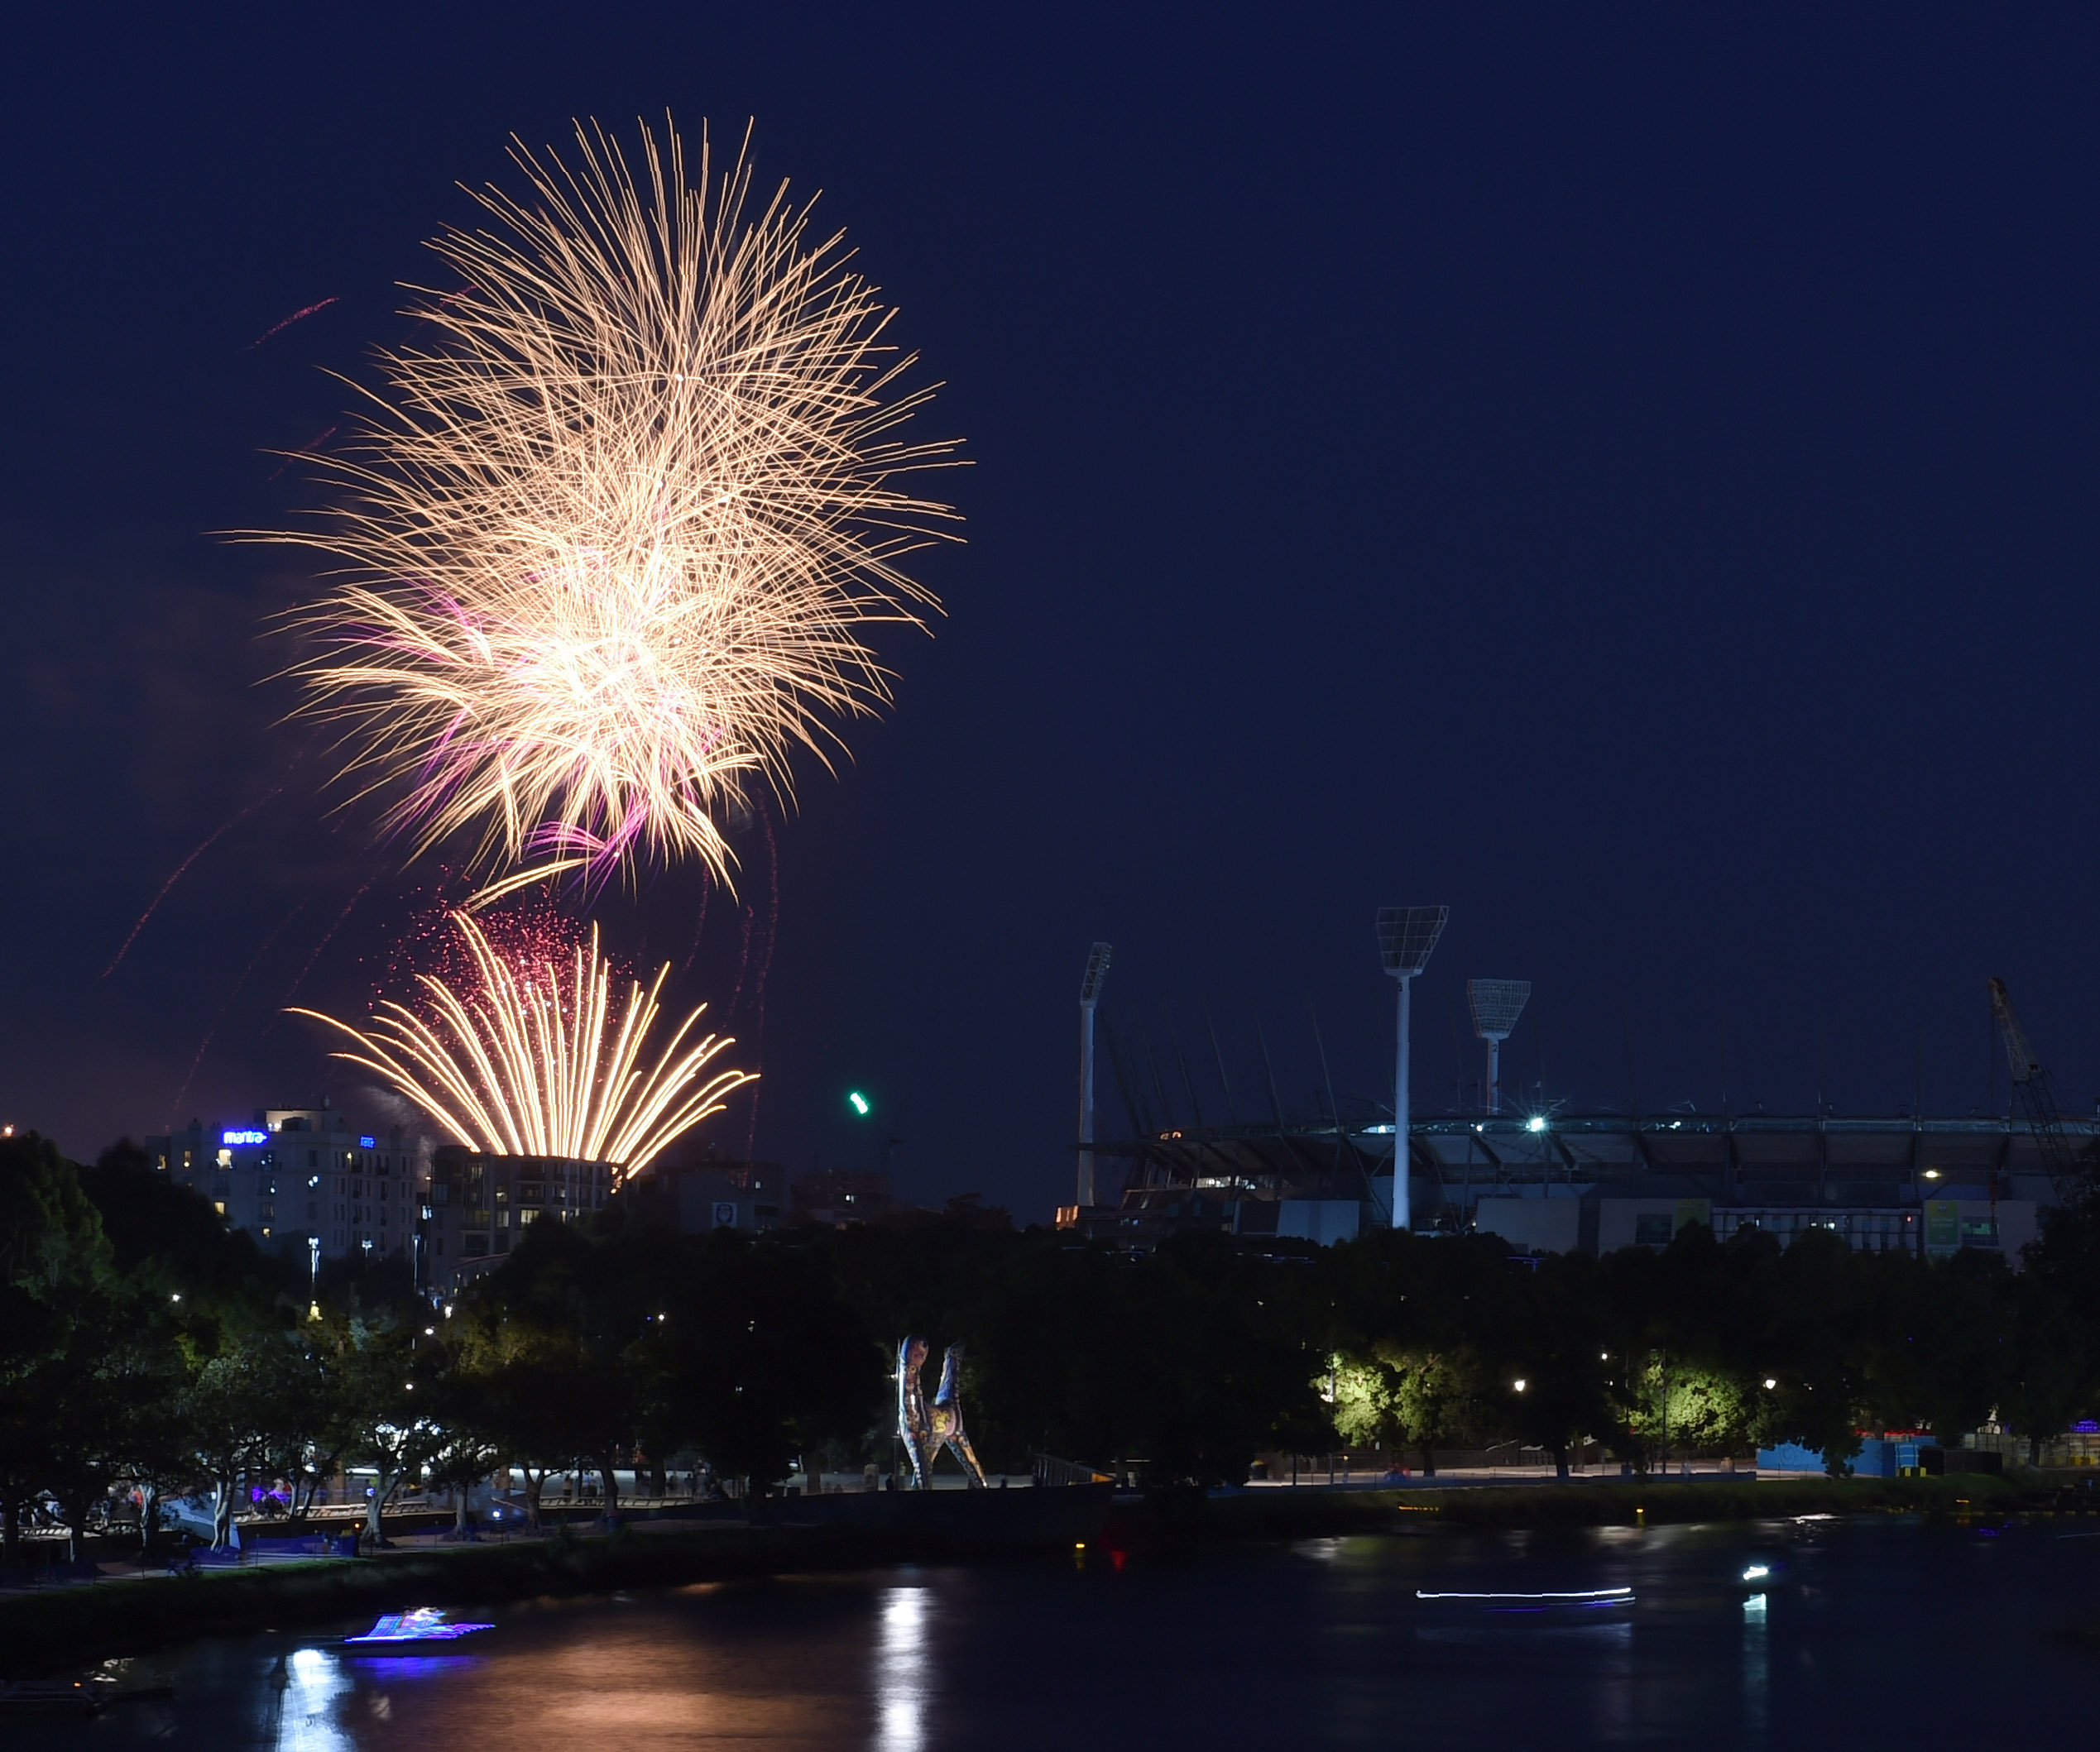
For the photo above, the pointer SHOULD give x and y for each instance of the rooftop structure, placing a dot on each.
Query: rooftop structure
(479, 1204)
(302, 1178)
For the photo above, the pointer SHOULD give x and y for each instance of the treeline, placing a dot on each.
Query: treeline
(146, 1350)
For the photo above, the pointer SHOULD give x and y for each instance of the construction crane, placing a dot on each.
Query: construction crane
(2037, 1094)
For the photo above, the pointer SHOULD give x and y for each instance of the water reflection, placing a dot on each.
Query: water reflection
(1757, 1667)
(1327, 1646)
(308, 1686)
(903, 1671)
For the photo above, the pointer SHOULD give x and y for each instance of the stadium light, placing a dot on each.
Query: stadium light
(1089, 993)
(1496, 1005)
(1406, 939)
(859, 1103)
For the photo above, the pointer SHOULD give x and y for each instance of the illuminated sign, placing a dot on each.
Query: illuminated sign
(367, 1143)
(244, 1137)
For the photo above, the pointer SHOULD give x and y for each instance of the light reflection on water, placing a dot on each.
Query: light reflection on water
(902, 1671)
(1757, 1661)
(309, 1688)
(1319, 1645)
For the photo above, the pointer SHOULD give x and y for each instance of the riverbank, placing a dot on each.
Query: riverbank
(62, 1628)
(1311, 1513)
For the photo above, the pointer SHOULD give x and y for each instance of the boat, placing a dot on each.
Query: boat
(1571, 1603)
(424, 1624)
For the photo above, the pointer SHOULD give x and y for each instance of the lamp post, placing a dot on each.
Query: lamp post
(1089, 993)
(1407, 938)
(314, 1277)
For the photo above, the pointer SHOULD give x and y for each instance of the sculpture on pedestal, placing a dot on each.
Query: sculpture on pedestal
(925, 1430)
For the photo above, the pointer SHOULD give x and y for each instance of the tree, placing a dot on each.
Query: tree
(467, 1449)
(760, 1360)
(386, 1425)
(1821, 1335)
(1545, 1363)
(54, 1270)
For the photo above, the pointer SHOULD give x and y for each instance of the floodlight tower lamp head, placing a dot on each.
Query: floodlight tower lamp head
(1097, 967)
(1496, 1005)
(1407, 938)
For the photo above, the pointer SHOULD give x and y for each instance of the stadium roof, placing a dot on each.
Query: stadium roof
(1761, 1157)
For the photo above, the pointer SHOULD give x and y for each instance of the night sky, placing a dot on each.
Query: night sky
(1628, 478)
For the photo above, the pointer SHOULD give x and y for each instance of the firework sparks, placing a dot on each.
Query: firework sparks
(296, 316)
(217, 833)
(520, 1056)
(608, 548)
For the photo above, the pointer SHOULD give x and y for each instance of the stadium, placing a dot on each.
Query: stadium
(1552, 1181)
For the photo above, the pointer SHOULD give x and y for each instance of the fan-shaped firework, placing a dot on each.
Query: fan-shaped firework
(610, 544)
(524, 1059)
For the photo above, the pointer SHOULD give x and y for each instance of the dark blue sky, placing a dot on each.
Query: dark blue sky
(1630, 479)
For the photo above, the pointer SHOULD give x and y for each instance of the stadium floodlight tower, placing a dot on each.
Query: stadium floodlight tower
(1089, 991)
(1496, 1005)
(1407, 938)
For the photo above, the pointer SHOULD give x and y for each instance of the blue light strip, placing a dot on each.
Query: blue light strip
(1594, 1593)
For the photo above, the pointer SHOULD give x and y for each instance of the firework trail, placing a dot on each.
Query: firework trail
(305, 450)
(328, 937)
(765, 964)
(525, 1058)
(233, 992)
(210, 841)
(699, 929)
(294, 316)
(607, 543)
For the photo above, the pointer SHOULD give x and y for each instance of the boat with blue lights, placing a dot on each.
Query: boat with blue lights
(424, 1624)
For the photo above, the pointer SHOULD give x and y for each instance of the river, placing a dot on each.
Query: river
(1882, 1631)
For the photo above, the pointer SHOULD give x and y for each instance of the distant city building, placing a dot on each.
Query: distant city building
(291, 1176)
(477, 1205)
(833, 1198)
(701, 1193)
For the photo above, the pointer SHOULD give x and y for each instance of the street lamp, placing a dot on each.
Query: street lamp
(1407, 938)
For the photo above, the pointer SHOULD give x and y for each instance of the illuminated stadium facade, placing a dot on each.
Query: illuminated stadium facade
(1596, 1181)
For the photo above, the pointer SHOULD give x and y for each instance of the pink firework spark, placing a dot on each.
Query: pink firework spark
(327, 937)
(204, 1045)
(308, 448)
(292, 318)
(177, 876)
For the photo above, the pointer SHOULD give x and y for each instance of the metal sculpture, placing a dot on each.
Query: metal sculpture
(925, 1430)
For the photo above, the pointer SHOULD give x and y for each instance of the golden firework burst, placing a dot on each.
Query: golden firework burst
(610, 538)
(524, 1058)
